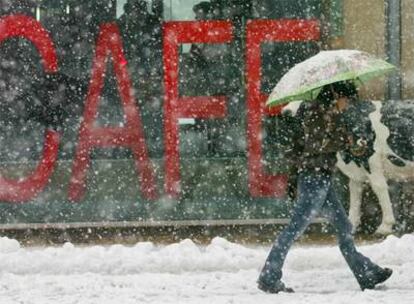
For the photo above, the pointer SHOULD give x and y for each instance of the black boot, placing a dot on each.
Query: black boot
(279, 286)
(370, 281)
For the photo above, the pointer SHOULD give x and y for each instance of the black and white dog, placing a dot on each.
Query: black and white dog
(388, 130)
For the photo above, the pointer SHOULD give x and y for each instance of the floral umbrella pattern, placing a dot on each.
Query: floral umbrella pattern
(304, 80)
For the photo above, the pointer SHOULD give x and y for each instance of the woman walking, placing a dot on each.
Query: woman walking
(325, 134)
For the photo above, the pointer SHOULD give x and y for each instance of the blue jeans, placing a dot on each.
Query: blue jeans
(316, 195)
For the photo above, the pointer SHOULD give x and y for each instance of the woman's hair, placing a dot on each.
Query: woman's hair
(345, 89)
(342, 88)
(326, 96)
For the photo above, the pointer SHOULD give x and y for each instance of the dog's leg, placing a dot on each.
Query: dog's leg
(380, 187)
(355, 200)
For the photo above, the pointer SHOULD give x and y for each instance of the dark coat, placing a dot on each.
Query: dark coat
(311, 138)
(325, 134)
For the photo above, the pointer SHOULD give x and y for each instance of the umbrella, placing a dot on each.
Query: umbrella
(305, 80)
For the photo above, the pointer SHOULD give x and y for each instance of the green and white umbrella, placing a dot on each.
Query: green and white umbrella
(305, 80)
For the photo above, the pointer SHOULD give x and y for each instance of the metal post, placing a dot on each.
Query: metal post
(393, 46)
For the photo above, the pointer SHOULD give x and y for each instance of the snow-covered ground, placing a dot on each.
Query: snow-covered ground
(221, 272)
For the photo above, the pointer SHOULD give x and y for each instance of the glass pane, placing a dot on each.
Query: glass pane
(179, 9)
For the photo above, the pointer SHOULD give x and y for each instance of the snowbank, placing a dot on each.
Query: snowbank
(221, 272)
